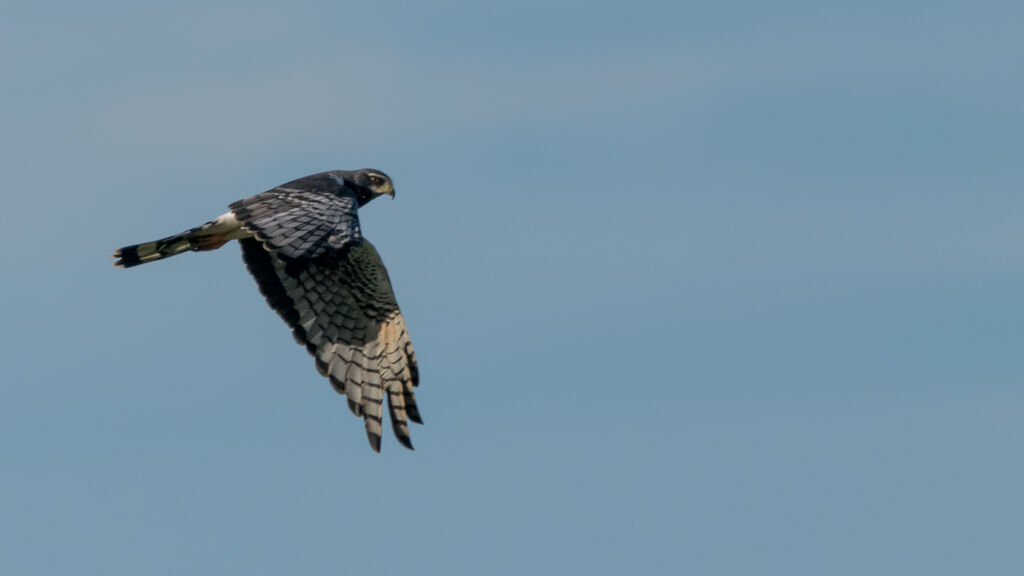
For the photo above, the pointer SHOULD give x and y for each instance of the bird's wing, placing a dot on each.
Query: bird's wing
(303, 219)
(342, 308)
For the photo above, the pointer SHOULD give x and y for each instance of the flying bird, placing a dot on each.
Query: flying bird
(302, 243)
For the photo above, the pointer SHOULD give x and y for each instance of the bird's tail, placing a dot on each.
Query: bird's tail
(209, 236)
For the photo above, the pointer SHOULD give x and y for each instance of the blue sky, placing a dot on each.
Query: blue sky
(696, 288)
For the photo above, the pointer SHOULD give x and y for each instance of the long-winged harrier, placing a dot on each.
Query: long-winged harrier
(302, 243)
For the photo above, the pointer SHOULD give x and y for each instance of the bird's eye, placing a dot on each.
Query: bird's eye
(376, 180)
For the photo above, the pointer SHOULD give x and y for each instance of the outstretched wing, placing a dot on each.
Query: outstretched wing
(341, 307)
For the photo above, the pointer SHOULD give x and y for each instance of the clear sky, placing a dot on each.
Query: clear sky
(696, 287)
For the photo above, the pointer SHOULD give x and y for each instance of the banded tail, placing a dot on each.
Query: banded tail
(209, 236)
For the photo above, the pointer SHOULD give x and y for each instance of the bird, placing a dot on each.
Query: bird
(303, 244)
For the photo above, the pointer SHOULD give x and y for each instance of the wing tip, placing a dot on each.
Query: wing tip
(374, 441)
(405, 441)
(412, 411)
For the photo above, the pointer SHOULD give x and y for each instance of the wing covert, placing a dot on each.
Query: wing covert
(303, 219)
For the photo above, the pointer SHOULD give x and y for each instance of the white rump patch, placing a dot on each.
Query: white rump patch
(228, 225)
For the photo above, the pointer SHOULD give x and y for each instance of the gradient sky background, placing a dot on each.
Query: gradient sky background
(696, 287)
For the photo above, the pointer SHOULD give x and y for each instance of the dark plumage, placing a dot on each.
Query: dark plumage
(302, 243)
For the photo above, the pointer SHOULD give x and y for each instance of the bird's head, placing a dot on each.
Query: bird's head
(369, 184)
